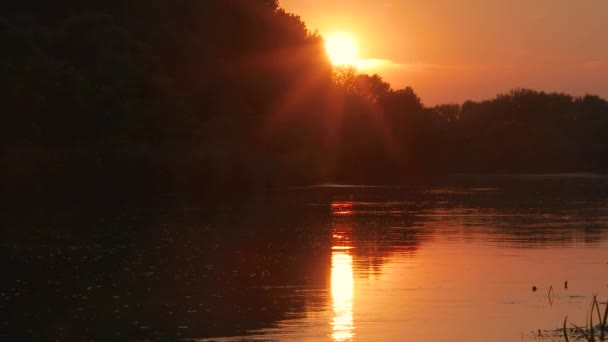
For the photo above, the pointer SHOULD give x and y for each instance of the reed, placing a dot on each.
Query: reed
(589, 331)
(566, 330)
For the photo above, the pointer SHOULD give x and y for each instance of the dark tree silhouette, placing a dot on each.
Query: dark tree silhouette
(131, 96)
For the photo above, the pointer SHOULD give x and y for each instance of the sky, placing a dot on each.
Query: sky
(451, 51)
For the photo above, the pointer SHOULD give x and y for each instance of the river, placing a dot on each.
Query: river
(453, 261)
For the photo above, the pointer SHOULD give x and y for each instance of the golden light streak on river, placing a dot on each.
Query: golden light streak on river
(342, 293)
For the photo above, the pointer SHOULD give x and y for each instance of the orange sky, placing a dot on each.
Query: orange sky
(454, 50)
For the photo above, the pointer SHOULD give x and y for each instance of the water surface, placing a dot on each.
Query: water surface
(454, 261)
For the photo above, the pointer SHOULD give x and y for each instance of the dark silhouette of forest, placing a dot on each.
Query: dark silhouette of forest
(132, 97)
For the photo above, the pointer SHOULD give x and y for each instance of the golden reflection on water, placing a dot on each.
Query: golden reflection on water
(342, 280)
(342, 293)
(342, 208)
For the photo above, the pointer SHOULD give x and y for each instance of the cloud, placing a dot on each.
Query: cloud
(375, 64)
(371, 63)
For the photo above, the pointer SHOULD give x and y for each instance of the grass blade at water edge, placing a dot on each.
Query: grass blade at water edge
(603, 322)
(581, 331)
(591, 330)
(566, 330)
(597, 308)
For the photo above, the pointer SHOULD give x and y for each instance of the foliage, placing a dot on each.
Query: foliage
(232, 93)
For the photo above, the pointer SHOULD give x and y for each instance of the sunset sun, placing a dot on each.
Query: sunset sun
(342, 49)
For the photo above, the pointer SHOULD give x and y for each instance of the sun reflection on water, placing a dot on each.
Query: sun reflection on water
(342, 280)
(342, 208)
(342, 295)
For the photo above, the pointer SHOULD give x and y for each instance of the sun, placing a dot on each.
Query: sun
(342, 49)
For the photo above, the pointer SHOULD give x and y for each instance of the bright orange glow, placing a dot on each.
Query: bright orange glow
(450, 60)
(342, 279)
(342, 295)
(342, 208)
(342, 49)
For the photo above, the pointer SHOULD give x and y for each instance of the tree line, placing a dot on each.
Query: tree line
(182, 95)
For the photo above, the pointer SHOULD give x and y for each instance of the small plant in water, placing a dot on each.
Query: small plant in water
(591, 330)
